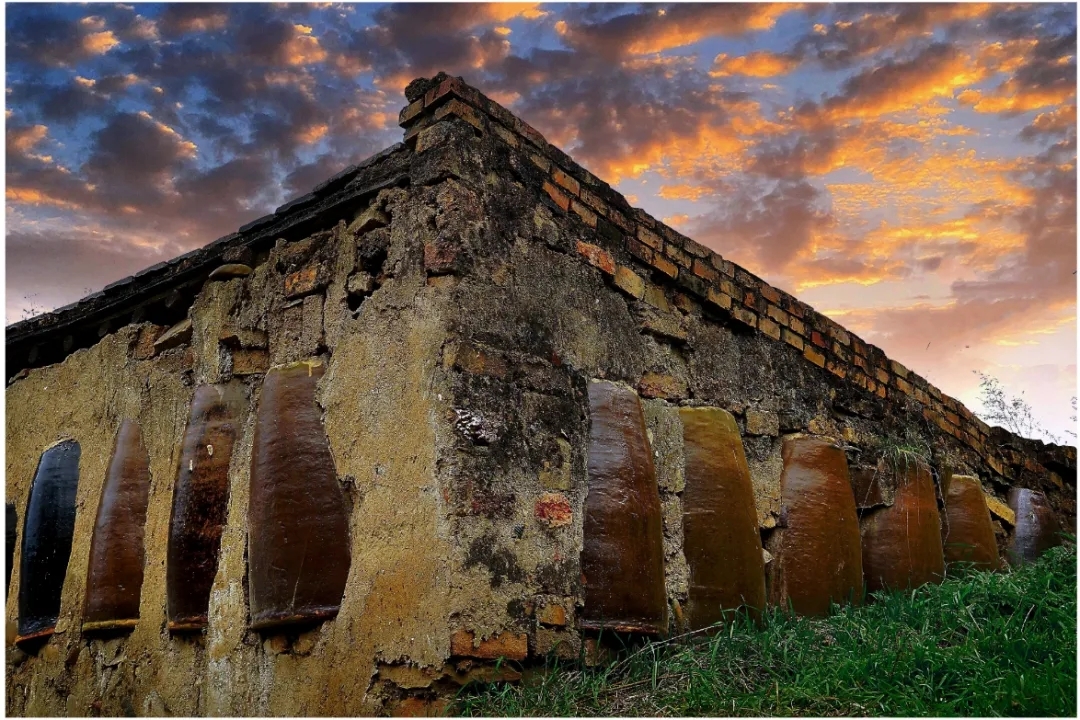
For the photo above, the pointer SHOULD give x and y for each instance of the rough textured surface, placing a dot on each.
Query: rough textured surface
(462, 291)
(817, 558)
(47, 538)
(720, 532)
(901, 544)
(1036, 527)
(298, 536)
(966, 533)
(622, 561)
(115, 575)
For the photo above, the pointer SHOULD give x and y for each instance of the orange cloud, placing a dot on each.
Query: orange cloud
(683, 192)
(756, 64)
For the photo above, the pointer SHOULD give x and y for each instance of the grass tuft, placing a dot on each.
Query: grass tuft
(979, 644)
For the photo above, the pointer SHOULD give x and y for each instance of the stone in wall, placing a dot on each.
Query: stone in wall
(1037, 529)
(623, 556)
(11, 532)
(816, 549)
(901, 543)
(114, 576)
(298, 535)
(47, 537)
(967, 535)
(720, 531)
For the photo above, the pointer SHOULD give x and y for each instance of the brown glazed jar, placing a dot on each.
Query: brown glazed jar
(622, 558)
(817, 554)
(1037, 529)
(298, 532)
(720, 531)
(966, 533)
(114, 575)
(901, 544)
(200, 504)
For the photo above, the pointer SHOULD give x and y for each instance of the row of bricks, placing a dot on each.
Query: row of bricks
(696, 269)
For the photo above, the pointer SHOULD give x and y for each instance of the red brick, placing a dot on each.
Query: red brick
(587, 215)
(816, 338)
(703, 270)
(769, 293)
(597, 257)
(557, 195)
(565, 181)
(506, 644)
(554, 510)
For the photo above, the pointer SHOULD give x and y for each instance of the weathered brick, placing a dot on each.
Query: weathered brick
(797, 325)
(557, 195)
(658, 385)
(838, 333)
(696, 249)
(952, 418)
(303, 282)
(511, 646)
(769, 293)
(881, 375)
(144, 343)
(655, 296)
(718, 299)
(620, 221)
(677, 254)
(898, 369)
(770, 328)
(791, 339)
(814, 356)
(778, 315)
(410, 111)
(665, 266)
(554, 510)
(640, 250)
(744, 316)
(762, 422)
(703, 270)
(597, 257)
(475, 361)
(1000, 509)
(250, 361)
(728, 288)
(817, 339)
(540, 161)
(836, 368)
(459, 109)
(594, 201)
(650, 238)
(441, 91)
(685, 303)
(505, 135)
(565, 181)
(629, 282)
(692, 283)
(552, 614)
(903, 386)
(583, 212)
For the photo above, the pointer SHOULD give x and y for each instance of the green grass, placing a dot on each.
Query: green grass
(978, 644)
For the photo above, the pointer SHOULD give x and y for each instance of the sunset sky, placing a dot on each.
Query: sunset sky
(908, 170)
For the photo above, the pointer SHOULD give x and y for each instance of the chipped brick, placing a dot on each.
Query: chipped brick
(565, 181)
(718, 299)
(814, 356)
(629, 282)
(655, 296)
(597, 257)
(587, 215)
(511, 646)
(665, 266)
(658, 385)
(769, 293)
(703, 270)
(650, 238)
(557, 195)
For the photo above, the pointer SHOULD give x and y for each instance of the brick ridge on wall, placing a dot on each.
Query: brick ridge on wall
(719, 284)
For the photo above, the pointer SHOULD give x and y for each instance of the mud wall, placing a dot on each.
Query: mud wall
(465, 297)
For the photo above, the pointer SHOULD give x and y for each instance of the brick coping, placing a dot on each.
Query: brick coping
(705, 275)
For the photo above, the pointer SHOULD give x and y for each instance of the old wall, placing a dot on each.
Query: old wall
(354, 297)
(463, 292)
